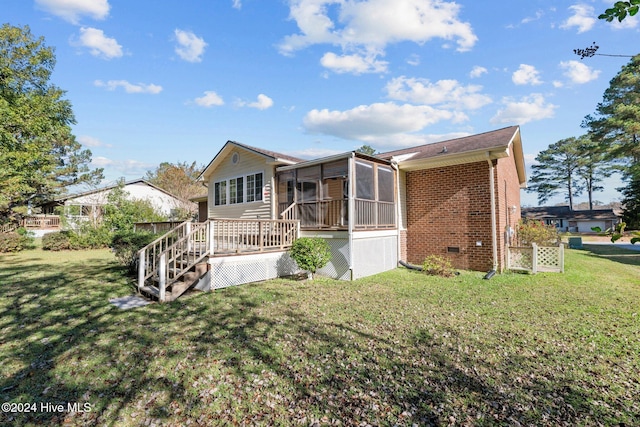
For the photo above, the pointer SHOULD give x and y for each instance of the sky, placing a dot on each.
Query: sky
(171, 81)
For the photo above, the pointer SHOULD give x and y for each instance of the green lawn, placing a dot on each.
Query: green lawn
(399, 348)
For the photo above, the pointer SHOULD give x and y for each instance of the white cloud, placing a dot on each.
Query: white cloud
(446, 93)
(477, 71)
(129, 87)
(414, 60)
(539, 14)
(209, 99)
(526, 74)
(89, 141)
(578, 72)
(190, 47)
(582, 18)
(369, 26)
(99, 44)
(356, 64)
(527, 109)
(237, 4)
(72, 10)
(262, 103)
(368, 122)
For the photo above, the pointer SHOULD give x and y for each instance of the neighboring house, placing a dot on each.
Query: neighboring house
(88, 205)
(579, 221)
(459, 199)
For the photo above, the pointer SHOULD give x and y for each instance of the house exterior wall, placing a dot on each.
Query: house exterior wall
(508, 205)
(161, 201)
(248, 163)
(448, 209)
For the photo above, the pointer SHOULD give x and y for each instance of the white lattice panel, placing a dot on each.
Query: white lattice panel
(520, 258)
(338, 267)
(237, 270)
(550, 258)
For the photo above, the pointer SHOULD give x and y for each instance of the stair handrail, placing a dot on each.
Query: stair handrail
(178, 250)
(289, 213)
(148, 256)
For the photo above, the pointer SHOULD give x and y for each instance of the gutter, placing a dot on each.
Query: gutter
(492, 190)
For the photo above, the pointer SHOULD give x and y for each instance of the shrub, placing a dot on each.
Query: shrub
(311, 253)
(435, 265)
(126, 244)
(531, 231)
(91, 238)
(13, 242)
(58, 241)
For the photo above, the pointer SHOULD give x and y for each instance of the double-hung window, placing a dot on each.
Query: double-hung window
(254, 187)
(220, 193)
(236, 190)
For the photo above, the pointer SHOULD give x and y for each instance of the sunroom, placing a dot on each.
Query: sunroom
(351, 191)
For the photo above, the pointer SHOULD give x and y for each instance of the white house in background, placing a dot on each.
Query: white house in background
(88, 205)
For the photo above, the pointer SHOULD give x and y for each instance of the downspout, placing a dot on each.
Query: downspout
(492, 191)
(351, 208)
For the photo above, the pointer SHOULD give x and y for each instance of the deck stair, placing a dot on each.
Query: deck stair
(172, 264)
(175, 262)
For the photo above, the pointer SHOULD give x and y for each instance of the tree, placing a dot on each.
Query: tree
(557, 171)
(366, 149)
(616, 124)
(179, 179)
(39, 155)
(121, 212)
(592, 166)
(620, 10)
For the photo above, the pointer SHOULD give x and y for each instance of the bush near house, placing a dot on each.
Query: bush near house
(529, 231)
(126, 244)
(15, 241)
(435, 265)
(311, 253)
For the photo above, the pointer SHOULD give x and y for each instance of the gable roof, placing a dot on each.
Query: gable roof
(563, 212)
(492, 145)
(270, 156)
(112, 186)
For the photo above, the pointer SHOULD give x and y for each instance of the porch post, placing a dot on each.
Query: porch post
(141, 268)
(162, 273)
(212, 233)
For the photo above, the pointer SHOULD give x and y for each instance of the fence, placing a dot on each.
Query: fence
(536, 258)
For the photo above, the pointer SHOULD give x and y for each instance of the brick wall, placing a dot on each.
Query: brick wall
(449, 213)
(448, 210)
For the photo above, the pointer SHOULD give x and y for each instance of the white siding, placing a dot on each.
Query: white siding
(248, 163)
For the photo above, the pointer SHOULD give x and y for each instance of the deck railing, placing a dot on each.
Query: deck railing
(41, 221)
(369, 214)
(231, 236)
(156, 227)
(149, 256)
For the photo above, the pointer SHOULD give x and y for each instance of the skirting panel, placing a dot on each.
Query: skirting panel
(237, 270)
(373, 255)
(338, 267)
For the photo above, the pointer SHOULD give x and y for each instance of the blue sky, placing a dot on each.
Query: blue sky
(153, 81)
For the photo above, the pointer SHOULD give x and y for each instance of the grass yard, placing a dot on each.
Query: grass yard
(398, 348)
